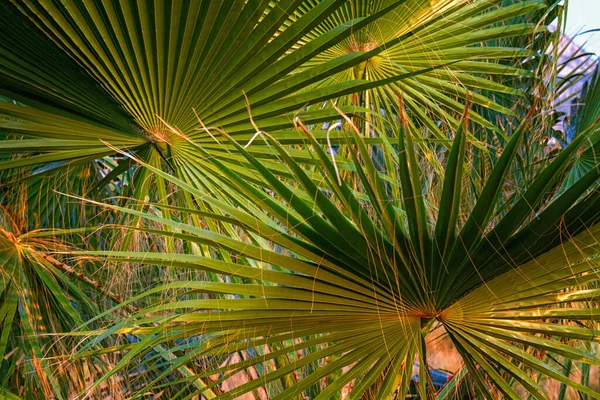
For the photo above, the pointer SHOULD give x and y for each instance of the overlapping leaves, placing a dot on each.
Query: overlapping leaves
(343, 276)
(37, 299)
(116, 70)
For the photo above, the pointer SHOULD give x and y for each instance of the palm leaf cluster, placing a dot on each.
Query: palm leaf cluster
(31, 283)
(347, 273)
(123, 70)
(312, 189)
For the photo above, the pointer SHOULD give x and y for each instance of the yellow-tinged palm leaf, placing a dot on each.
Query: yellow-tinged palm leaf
(123, 71)
(345, 286)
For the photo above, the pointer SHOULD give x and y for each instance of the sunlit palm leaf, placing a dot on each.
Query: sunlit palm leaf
(356, 278)
(127, 67)
(37, 299)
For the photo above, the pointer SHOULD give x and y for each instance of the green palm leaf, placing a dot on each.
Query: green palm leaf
(348, 277)
(37, 299)
(118, 71)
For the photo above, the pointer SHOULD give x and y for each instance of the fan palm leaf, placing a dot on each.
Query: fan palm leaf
(355, 285)
(119, 71)
(38, 297)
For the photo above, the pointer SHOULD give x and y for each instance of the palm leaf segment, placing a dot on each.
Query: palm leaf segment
(83, 72)
(349, 281)
(37, 298)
